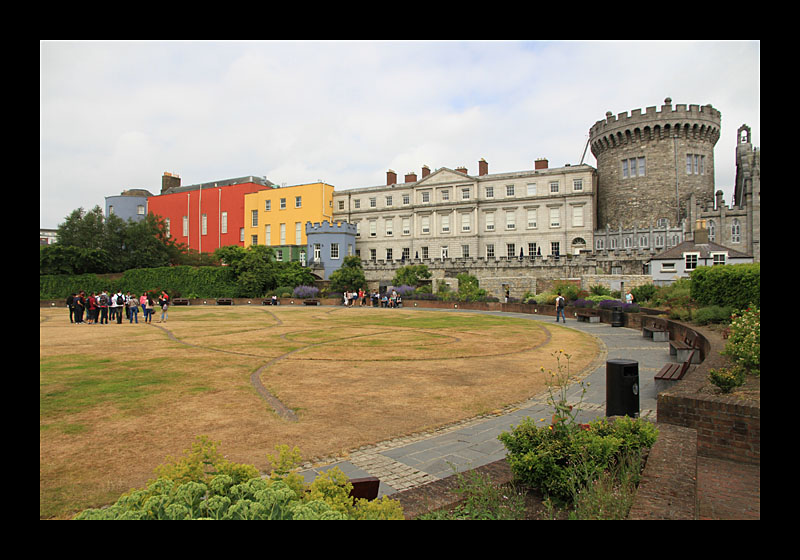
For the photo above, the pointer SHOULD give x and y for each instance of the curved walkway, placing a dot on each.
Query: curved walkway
(407, 462)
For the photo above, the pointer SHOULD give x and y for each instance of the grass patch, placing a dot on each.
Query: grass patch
(116, 399)
(71, 384)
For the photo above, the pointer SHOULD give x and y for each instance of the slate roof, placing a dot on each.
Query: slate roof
(705, 250)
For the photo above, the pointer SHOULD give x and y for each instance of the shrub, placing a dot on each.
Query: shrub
(583, 303)
(305, 292)
(188, 490)
(562, 462)
(712, 314)
(599, 291)
(744, 341)
(727, 378)
(610, 304)
(736, 286)
(643, 293)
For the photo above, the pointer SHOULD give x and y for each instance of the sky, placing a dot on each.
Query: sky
(116, 115)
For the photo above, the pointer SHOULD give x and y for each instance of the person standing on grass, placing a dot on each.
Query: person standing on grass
(112, 305)
(119, 301)
(133, 310)
(163, 302)
(71, 306)
(91, 309)
(102, 303)
(80, 305)
(148, 308)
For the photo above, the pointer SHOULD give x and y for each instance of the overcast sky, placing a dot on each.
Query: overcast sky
(117, 115)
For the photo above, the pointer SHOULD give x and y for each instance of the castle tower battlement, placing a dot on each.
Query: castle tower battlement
(650, 163)
(331, 227)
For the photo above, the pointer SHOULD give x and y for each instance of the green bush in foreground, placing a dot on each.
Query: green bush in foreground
(203, 485)
(563, 461)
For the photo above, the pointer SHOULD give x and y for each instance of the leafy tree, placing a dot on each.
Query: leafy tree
(88, 242)
(146, 245)
(293, 274)
(349, 277)
(82, 229)
(468, 289)
(411, 275)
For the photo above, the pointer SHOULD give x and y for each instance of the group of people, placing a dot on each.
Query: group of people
(362, 297)
(107, 305)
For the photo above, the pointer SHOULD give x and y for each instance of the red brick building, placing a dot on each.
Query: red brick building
(206, 216)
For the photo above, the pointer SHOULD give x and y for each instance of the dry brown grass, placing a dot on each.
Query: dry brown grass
(353, 377)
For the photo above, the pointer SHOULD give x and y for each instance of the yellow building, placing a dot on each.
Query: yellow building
(277, 217)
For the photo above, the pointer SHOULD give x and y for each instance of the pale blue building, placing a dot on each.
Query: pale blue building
(130, 205)
(328, 243)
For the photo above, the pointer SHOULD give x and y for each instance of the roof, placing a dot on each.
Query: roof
(705, 250)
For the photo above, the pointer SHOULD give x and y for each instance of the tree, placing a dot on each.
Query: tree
(468, 289)
(411, 275)
(146, 244)
(349, 277)
(292, 274)
(255, 270)
(90, 242)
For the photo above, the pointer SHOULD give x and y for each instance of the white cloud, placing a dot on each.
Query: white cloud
(116, 115)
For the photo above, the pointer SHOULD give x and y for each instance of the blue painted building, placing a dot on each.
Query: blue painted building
(130, 205)
(327, 246)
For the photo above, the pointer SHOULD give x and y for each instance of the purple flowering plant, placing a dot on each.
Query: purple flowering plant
(305, 292)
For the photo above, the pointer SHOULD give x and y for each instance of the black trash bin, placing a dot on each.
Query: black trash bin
(622, 388)
(617, 319)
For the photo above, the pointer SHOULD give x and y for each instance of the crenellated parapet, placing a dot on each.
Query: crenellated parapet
(696, 122)
(331, 227)
(649, 163)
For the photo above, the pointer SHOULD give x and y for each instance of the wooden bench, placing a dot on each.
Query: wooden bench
(310, 302)
(224, 301)
(684, 349)
(655, 332)
(673, 372)
(588, 316)
(180, 301)
(366, 487)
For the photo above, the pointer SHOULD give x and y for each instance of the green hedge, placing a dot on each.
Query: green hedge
(184, 281)
(736, 286)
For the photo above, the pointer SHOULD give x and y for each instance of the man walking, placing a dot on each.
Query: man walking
(560, 303)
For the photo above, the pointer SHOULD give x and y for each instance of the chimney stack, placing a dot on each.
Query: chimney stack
(462, 169)
(169, 181)
(540, 163)
(700, 232)
(425, 171)
(483, 167)
(411, 177)
(391, 178)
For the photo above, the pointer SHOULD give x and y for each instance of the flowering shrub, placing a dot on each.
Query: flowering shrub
(404, 290)
(305, 292)
(583, 303)
(610, 304)
(744, 341)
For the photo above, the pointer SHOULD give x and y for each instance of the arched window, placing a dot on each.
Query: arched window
(736, 233)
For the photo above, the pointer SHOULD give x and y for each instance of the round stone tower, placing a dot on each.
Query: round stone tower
(648, 164)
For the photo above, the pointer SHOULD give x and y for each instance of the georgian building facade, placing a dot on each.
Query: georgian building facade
(449, 214)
